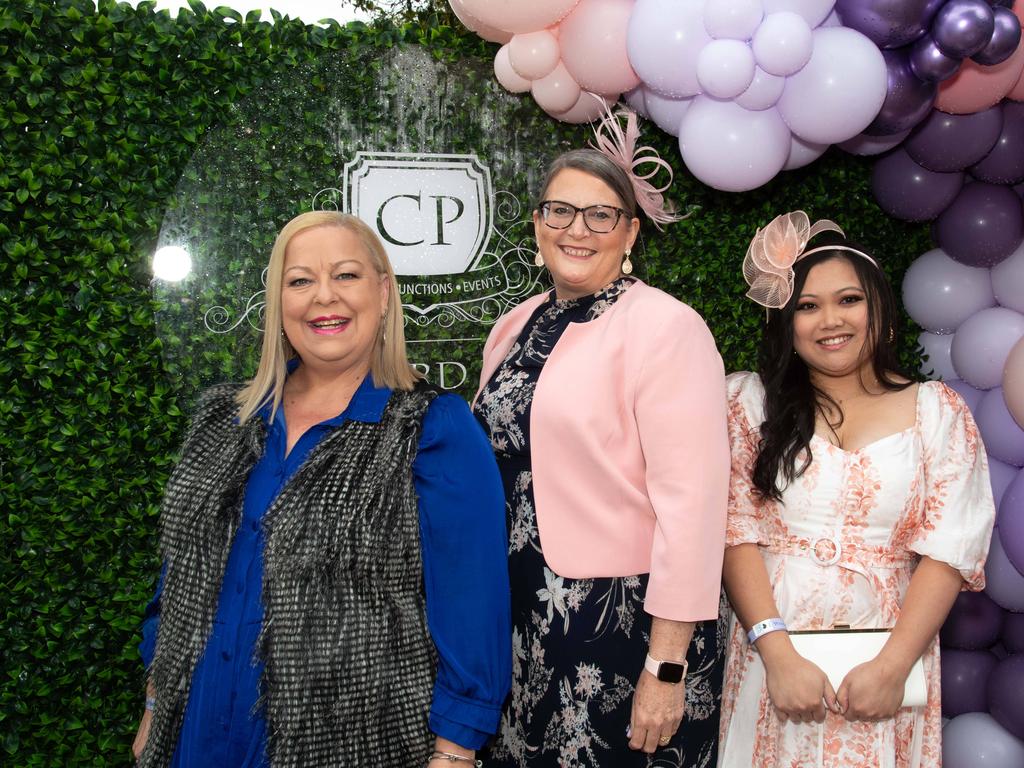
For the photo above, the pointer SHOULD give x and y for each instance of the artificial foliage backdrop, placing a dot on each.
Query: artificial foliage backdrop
(101, 112)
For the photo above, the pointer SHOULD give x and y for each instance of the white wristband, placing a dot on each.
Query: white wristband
(764, 627)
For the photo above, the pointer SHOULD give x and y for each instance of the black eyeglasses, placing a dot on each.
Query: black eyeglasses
(600, 219)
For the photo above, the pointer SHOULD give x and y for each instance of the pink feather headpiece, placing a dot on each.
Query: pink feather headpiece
(620, 147)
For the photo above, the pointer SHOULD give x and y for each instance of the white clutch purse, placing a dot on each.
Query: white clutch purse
(837, 651)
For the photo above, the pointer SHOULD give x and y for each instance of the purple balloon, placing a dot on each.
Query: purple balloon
(1005, 702)
(947, 143)
(907, 97)
(1003, 438)
(1004, 163)
(1004, 40)
(864, 145)
(1003, 583)
(963, 27)
(907, 191)
(982, 343)
(964, 675)
(982, 226)
(973, 623)
(888, 24)
(930, 63)
(976, 740)
(970, 395)
(940, 293)
(1013, 632)
(1011, 523)
(1001, 474)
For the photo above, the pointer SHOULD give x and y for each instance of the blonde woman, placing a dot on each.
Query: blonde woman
(334, 589)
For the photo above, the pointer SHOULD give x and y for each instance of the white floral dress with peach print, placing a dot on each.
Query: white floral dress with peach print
(841, 549)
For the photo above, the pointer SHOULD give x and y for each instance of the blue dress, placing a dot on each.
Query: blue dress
(466, 588)
(578, 644)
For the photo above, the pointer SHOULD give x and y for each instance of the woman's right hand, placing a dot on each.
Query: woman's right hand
(142, 735)
(798, 689)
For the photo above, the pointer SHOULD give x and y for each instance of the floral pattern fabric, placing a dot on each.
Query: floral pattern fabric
(578, 645)
(841, 549)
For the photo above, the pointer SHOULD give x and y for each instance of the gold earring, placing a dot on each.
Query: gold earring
(538, 260)
(892, 335)
(627, 265)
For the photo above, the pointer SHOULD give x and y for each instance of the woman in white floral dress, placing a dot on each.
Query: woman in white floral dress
(857, 498)
(605, 403)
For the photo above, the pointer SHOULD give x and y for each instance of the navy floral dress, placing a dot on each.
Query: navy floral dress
(578, 645)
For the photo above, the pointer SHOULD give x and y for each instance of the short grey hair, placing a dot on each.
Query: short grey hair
(598, 165)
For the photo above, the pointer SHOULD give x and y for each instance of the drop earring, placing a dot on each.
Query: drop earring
(538, 260)
(627, 265)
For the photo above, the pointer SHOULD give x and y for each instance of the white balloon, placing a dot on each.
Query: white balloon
(939, 364)
(764, 90)
(832, 20)
(802, 153)
(663, 39)
(813, 11)
(725, 68)
(667, 113)
(839, 91)
(1008, 279)
(533, 54)
(509, 79)
(734, 19)
(732, 148)
(783, 43)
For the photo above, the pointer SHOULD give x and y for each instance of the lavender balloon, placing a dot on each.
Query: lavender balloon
(983, 342)
(963, 27)
(936, 362)
(1008, 280)
(1011, 523)
(1003, 438)
(888, 24)
(910, 192)
(1004, 40)
(976, 740)
(964, 675)
(947, 143)
(970, 395)
(930, 63)
(982, 226)
(1004, 163)
(1001, 474)
(940, 293)
(907, 98)
(1013, 632)
(1005, 702)
(1003, 583)
(973, 623)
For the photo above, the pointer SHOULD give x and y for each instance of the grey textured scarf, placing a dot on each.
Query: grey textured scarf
(348, 662)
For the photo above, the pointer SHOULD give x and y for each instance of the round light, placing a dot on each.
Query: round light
(171, 263)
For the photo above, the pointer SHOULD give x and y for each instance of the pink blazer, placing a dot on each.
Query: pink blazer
(630, 450)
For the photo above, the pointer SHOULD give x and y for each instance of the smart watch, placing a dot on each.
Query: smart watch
(666, 671)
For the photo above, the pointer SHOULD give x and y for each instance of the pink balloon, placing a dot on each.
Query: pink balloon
(492, 34)
(593, 40)
(558, 92)
(975, 88)
(506, 76)
(1008, 280)
(982, 344)
(839, 91)
(732, 148)
(1017, 92)
(1013, 383)
(936, 349)
(802, 153)
(533, 54)
(589, 107)
(514, 15)
(663, 40)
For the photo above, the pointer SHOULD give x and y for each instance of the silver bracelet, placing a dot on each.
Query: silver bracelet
(451, 757)
(150, 703)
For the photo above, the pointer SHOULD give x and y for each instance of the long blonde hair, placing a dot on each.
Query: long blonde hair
(389, 366)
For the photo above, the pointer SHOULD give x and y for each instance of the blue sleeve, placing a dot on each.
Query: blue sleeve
(465, 572)
(150, 622)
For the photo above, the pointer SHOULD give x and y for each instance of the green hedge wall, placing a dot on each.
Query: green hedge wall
(100, 113)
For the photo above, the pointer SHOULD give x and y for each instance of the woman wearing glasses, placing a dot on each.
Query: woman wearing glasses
(604, 402)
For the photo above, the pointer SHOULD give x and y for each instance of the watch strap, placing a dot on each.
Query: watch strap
(654, 666)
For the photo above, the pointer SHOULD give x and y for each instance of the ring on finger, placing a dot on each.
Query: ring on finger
(664, 740)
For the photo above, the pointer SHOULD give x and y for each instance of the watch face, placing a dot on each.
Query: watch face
(670, 672)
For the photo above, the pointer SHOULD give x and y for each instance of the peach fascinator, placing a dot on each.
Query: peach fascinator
(620, 146)
(768, 265)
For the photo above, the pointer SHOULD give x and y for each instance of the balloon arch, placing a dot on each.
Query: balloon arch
(752, 88)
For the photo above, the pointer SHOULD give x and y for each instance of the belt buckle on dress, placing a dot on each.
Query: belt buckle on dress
(836, 555)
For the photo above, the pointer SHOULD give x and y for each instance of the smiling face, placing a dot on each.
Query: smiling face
(582, 262)
(830, 322)
(332, 299)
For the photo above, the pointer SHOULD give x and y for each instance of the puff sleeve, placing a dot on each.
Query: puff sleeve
(746, 522)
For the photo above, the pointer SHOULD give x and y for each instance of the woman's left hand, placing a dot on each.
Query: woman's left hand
(872, 691)
(657, 712)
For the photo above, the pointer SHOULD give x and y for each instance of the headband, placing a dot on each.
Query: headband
(620, 147)
(768, 266)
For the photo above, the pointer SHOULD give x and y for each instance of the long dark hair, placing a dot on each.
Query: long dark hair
(791, 401)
